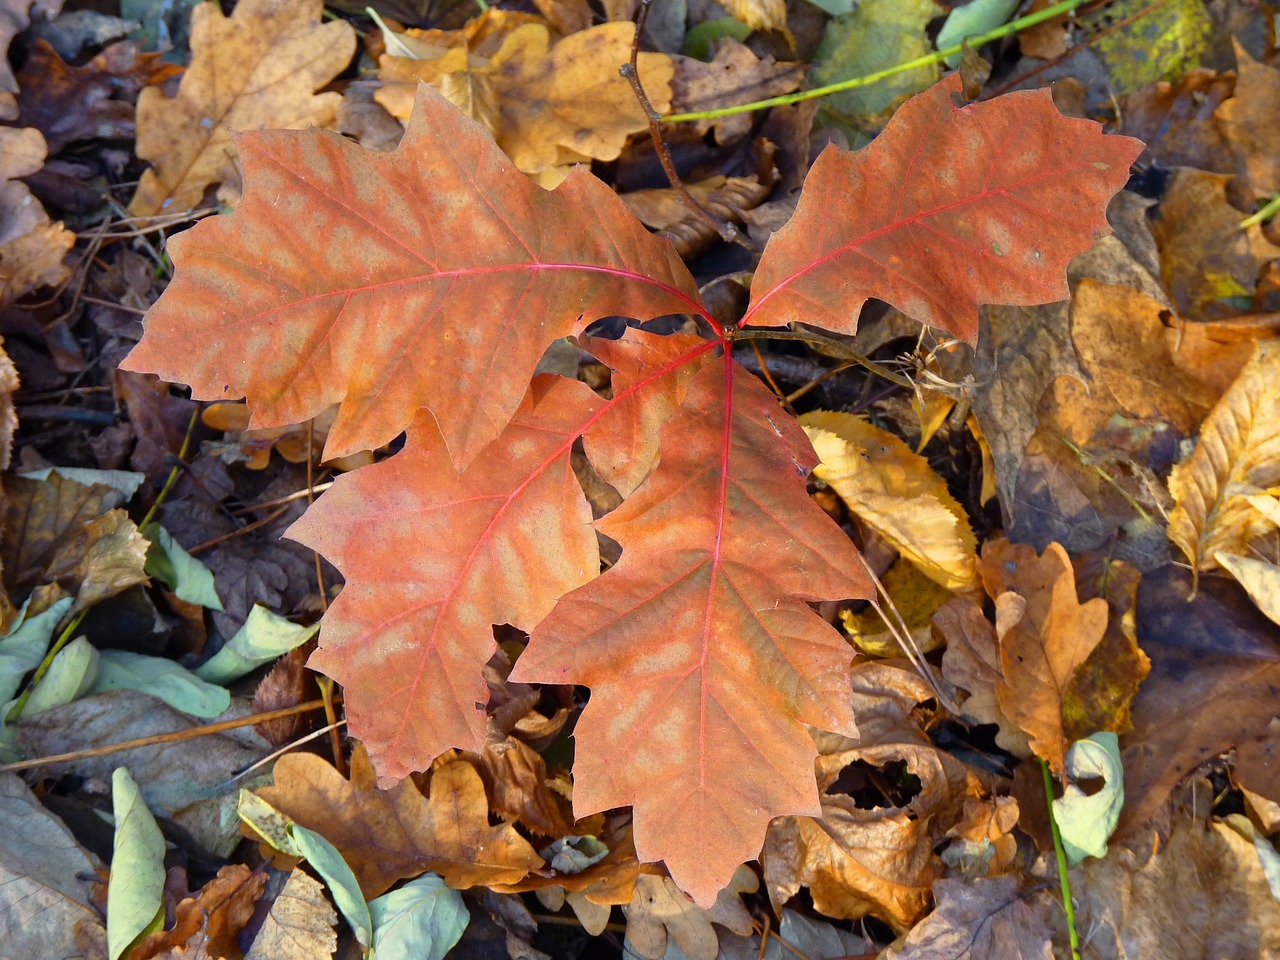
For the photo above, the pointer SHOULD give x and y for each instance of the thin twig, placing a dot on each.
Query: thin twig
(768, 378)
(828, 346)
(287, 498)
(631, 72)
(283, 750)
(178, 735)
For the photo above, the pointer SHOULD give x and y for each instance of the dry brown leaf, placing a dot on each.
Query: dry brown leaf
(660, 911)
(1207, 262)
(605, 883)
(1045, 633)
(257, 69)
(1260, 579)
(388, 835)
(549, 104)
(105, 557)
(879, 860)
(982, 843)
(295, 443)
(896, 493)
(1200, 893)
(1248, 122)
(516, 778)
(299, 925)
(14, 18)
(1173, 118)
(734, 75)
(1237, 455)
(972, 663)
(977, 921)
(726, 198)
(209, 923)
(31, 247)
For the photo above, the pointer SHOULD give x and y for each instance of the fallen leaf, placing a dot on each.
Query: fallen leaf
(1200, 892)
(70, 104)
(875, 36)
(177, 782)
(660, 913)
(734, 75)
(897, 494)
(134, 902)
(14, 17)
(1208, 264)
(973, 920)
(872, 858)
(428, 272)
(31, 247)
(45, 878)
(1180, 120)
(516, 778)
(1086, 820)
(1215, 665)
(1141, 46)
(105, 557)
(1245, 121)
(726, 198)
(256, 69)
(1260, 578)
(1045, 633)
(548, 105)
(1236, 456)
(211, 921)
(299, 925)
(982, 842)
(760, 14)
(422, 919)
(962, 228)
(399, 832)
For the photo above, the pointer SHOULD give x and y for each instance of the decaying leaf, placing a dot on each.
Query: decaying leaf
(659, 913)
(388, 835)
(1245, 125)
(258, 68)
(210, 922)
(299, 925)
(31, 247)
(548, 104)
(984, 918)
(894, 491)
(1045, 633)
(1237, 456)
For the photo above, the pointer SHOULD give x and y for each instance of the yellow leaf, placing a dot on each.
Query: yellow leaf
(257, 69)
(760, 14)
(1260, 579)
(894, 492)
(1237, 456)
(917, 598)
(548, 104)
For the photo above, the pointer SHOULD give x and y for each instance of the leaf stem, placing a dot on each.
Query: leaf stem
(1266, 213)
(1064, 877)
(975, 40)
(826, 345)
(173, 472)
(63, 639)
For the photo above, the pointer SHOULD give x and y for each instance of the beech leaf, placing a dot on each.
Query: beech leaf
(958, 206)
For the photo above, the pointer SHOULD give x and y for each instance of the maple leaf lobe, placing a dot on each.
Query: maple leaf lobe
(434, 275)
(950, 208)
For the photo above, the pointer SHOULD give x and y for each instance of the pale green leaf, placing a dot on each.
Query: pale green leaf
(70, 676)
(187, 577)
(422, 920)
(837, 8)
(123, 482)
(264, 637)
(698, 41)
(977, 16)
(22, 649)
(267, 822)
(134, 895)
(163, 679)
(328, 862)
(1086, 822)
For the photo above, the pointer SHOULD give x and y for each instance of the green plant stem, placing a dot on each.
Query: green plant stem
(1064, 877)
(63, 639)
(173, 472)
(828, 346)
(975, 40)
(1266, 213)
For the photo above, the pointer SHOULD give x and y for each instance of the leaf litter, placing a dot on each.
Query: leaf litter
(1119, 425)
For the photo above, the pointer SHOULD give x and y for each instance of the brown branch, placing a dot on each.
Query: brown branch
(631, 72)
